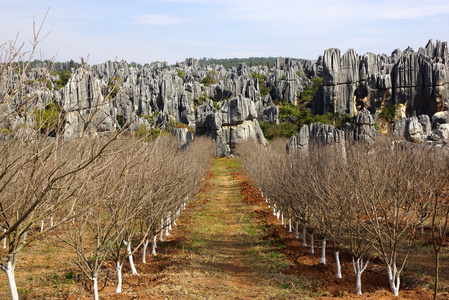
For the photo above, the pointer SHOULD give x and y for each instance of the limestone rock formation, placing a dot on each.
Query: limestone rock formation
(319, 133)
(84, 107)
(364, 130)
(235, 121)
(419, 80)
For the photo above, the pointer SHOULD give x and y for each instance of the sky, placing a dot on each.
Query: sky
(145, 31)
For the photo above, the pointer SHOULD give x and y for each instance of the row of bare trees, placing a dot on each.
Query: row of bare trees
(370, 200)
(106, 197)
(102, 197)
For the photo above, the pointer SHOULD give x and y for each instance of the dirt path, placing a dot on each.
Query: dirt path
(212, 263)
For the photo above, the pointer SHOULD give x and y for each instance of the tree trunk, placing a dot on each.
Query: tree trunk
(169, 223)
(290, 225)
(9, 270)
(42, 225)
(282, 219)
(304, 232)
(154, 246)
(323, 252)
(95, 287)
(167, 226)
(359, 268)
(296, 230)
(437, 274)
(337, 263)
(393, 279)
(358, 282)
(312, 249)
(130, 258)
(161, 236)
(144, 250)
(118, 269)
(4, 240)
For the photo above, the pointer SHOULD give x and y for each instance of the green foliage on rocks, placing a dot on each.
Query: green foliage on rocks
(181, 73)
(264, 90)
(292, 118)
(47, 120)
(64, 76)
(388, 112)
(309, 91)
(208, 80)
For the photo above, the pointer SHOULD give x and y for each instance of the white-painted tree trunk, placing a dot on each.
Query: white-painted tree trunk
(337, 263)
(289, 225)
(169, 223)
(297, 229)
(144, 250)
(274, 210)
(359, 268)
(9, 270)
(282, 219)
(4, 239)
(51, 221)
(175, 217)
(278, 214)
(42, 225)
(161, 236)
(304, 238)
(95, 287)
(323, 252)
(312, 248)
(167, 226)
(394, 279)
(118, 269)
(130, 258)
(154, 246)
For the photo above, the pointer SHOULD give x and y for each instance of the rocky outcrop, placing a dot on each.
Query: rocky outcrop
(316, 133)
(419, 80)
(182, 135)
(364, 130)
(84, 108)
(235, 121)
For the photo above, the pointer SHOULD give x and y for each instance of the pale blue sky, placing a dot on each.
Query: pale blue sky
(169, 30)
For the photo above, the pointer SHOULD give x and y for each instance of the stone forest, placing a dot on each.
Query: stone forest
(285, 179)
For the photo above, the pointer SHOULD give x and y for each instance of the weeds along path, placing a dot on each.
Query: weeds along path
(222, 251)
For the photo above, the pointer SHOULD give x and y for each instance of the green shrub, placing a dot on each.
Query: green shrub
(181, 73)
(292, 117)
(388, 112)
(120, 120)
(47, 120)
(64, 77)
(113, 88)
(147, 134)
(309, 91)
(264, 90)
(208, 80)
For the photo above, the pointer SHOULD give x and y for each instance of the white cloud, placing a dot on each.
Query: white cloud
(157, 20)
